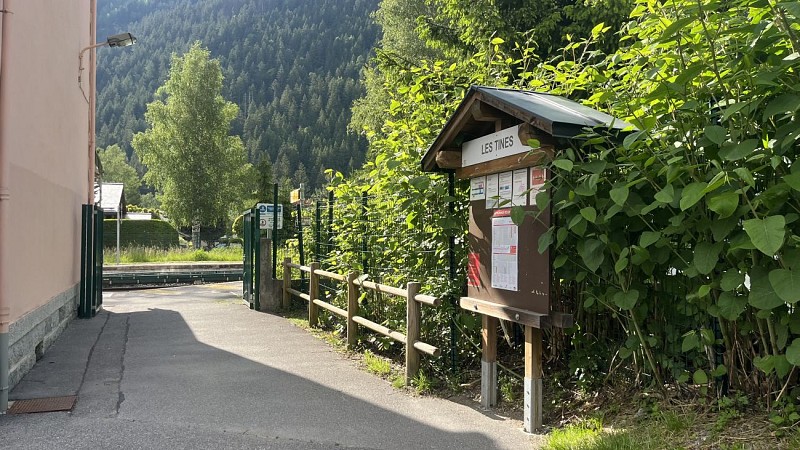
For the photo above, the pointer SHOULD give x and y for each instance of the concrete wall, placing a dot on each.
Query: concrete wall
(44, 154)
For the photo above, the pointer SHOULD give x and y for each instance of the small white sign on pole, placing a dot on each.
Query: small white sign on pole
(266, 215)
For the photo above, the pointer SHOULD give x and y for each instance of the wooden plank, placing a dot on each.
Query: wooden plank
(304, 268)
(511, 313)
(302, 295)
(331, 275)
(378, 328)
(352, 309)
(427, 348)
(334, 309)
(382, 288)
(449, 159)
(428, 299)
(413, 317)
(291, 265)
(506, 164)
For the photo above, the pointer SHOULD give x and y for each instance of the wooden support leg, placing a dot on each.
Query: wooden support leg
(489, 361)
(532, 416)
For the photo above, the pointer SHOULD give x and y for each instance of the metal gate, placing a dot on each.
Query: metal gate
(251, 280)
(91, 288)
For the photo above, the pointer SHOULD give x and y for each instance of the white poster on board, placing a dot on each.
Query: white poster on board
(520, 188)
(505, 242)
(491, 191)
(505, 183)
(477, 189)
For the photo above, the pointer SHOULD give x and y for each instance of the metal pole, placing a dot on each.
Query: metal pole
(300, 242)
(274, 230)
(118, 227)
(329, 233)
(257, 246)
(451, 256)
(317, 231)
(364, 260)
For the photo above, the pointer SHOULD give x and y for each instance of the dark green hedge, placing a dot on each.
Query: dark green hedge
(146, 233)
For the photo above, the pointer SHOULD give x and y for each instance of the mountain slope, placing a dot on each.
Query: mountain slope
(292, 66)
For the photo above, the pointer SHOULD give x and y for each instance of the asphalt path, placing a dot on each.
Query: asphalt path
(193, 367)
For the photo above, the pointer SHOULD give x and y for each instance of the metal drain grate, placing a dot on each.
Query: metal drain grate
(41, 405)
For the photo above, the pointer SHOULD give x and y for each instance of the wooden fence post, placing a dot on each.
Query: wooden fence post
(413, 317)
(313, 293)
(352, 309)
(287, 282)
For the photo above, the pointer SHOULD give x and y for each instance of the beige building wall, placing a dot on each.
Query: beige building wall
(44, 129)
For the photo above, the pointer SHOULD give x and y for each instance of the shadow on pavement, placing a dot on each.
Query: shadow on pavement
(150, 381)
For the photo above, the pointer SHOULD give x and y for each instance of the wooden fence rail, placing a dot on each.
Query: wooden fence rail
(413, 345)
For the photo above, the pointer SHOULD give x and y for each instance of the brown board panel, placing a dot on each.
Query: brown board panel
(533, 282)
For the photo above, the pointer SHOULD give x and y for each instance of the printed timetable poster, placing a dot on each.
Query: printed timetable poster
(477, 189)
(491, 191)
(505, 245)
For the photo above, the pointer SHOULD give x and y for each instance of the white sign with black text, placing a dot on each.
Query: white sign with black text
(492, 146)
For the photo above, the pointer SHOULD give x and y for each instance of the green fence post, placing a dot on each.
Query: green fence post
(274, 230)
(257, 271)
(98, 260)
(247, 275)
(84, 262)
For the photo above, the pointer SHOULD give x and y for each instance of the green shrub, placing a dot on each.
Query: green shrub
(144, 233)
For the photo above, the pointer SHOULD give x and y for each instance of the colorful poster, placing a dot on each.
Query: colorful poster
(474, 270)
(520, 188)
(491, 191)
(505, 188)
(477, 189)
(505, 244)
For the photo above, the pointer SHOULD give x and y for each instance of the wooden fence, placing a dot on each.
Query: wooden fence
(413, 346)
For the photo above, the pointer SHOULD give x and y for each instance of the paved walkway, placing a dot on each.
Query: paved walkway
(192, 367)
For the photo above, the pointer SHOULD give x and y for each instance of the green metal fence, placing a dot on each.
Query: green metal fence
(91, 288)
(251, 282)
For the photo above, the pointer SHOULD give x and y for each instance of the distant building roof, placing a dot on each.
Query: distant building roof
(138, 216)
(112, 197)
(557, 116)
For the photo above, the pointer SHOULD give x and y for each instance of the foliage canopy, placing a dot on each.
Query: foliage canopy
(200, 172)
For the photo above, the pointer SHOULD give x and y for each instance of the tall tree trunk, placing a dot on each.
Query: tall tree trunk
(196, 234)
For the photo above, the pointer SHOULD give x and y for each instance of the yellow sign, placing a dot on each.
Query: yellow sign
(294, 196)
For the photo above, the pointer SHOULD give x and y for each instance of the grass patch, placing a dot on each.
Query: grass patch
(131, 255)
(377, 365)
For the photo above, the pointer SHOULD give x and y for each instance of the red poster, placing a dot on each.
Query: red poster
(473, 270)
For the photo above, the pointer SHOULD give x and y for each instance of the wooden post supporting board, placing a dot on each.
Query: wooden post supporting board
(313, 293)
(489, 361)
(532, 415)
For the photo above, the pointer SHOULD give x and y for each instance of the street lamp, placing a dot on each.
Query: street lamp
(117, 40)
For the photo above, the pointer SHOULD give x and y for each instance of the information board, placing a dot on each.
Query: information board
(266, 214)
